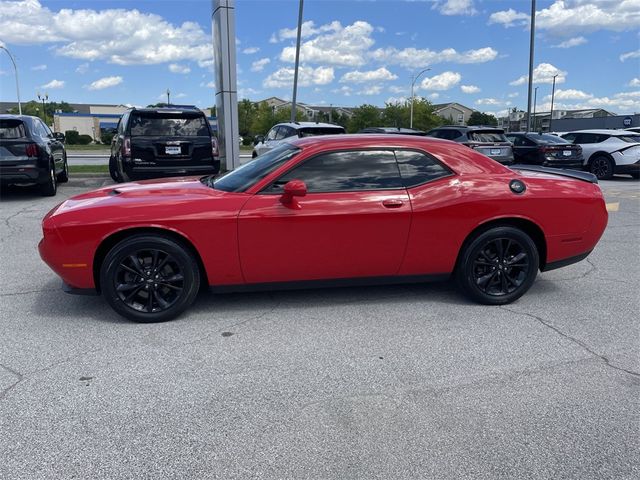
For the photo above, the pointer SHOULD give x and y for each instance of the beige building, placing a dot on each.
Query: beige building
(83, 124)
(454, 112)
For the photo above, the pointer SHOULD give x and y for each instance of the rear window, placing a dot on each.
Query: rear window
(313, 131)
(547, 139)
(487, 137)
(168, 125)
(629, 138)
(12, 129)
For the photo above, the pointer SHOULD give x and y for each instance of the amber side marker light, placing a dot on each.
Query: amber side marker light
(74, 265)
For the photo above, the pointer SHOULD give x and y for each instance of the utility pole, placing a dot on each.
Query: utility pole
(553, 92)
(295, 71)
(531, 44)
(413, 82)
(535, 98)
(44, 110)
(168, 93)
(15, 68)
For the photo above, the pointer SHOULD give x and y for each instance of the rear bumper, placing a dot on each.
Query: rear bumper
(25, 171)
(131, 168)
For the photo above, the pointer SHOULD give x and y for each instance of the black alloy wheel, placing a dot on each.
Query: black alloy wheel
(50, 187)
(63, 176)
(150, 278)
(601, 167)
(498, 266)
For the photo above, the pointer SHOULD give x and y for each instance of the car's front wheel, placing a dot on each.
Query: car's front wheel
(149, 278)
(601, 167)
(498, 266)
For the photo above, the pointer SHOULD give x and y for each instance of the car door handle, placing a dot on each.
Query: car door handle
(392, 203)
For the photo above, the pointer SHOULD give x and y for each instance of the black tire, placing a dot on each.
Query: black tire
(497, 266)
(149, 278)
(601, 167)
(114, 171)
(254, 154)
(50, 187)
(63, 176)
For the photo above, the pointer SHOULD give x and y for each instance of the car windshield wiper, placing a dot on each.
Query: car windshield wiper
(208, 180)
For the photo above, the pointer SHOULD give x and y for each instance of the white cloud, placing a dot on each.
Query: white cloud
(54, 84)
(414, 57)
(509, 18)
(308, 29)
(434, 96)
(342, 46)
(635, 82)
(469, 88)
(381, 74)
(344, 90)
(567, 17)
(543, 73)
(572, 42)
(124, 37)
(251, 50)
(82, 68)
(371, 90)
(210, 84)
(396, 100)
(247, 92)
(628, 55)
(398, 89)
(259, 65)
(163, 96)
(513, 95)
(39, 68)
(306, 76)
(489, 101)
(570, 94)
(443, 81)
(456, 7)
(177, 68)
(105, 82)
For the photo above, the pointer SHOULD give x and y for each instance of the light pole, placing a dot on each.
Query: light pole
(531, 43)
(553, 92)
(535, 98)
(15, 68)
(44, 97)
(413, 82)
(295, 71)
(168, 93)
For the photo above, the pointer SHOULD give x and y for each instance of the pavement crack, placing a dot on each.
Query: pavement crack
(573, 340)
(15, 373)
(28, 292)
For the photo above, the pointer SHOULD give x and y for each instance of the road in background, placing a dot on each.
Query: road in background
(399, 382)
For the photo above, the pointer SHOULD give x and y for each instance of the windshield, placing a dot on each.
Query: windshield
(487, 137)
(547, 139)
(248, 174)
(629, 138)
(168, 125)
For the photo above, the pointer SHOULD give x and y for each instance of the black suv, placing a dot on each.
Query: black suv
(489, 141)
(163, 142)
(31, 153)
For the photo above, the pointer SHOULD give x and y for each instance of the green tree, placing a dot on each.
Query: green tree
(364, 116)
(246, 112)
(34, 108)
(479, 118)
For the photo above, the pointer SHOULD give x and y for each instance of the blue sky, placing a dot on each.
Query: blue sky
(353, 52)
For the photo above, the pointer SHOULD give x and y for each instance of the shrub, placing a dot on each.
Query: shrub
(84, 139)
(71, 137)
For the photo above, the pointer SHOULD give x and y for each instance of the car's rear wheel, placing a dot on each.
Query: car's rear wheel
(114, 171)
(50, 187)
(148, 278)
(601, 167)
(498, 266)
(63, 176)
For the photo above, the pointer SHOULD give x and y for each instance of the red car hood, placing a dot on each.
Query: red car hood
(148, 194)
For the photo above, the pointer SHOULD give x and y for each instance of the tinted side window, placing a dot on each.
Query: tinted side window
(417, 168)
(272, 133)
(283, 132)
(570, 137)
(38, 128)
(344, 171)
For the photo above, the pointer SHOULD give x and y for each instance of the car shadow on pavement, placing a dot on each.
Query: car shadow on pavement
(14, 193)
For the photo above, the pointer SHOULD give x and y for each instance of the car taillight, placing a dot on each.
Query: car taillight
(31, 150)
(126, 147)
(214, 146)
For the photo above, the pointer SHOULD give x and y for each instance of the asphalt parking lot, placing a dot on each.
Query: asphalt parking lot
(378, 382)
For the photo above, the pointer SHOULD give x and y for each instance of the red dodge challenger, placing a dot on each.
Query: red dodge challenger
(336, 210)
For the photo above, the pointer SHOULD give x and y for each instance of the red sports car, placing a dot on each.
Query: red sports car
(326, 210)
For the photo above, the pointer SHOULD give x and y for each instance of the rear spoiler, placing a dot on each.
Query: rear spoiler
(584, 176)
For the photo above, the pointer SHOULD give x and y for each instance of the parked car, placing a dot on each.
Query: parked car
(398, 130)
(489, 141)
(546, 150)
(339, 210)
(607, 152)
(633, 129)
(282, 131)
(31, 153)
(163, 142)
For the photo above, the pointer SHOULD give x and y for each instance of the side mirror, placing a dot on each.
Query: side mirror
(59, 136)
(293, 188)
(258, 139)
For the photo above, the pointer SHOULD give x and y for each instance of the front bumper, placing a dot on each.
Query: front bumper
(631, 168)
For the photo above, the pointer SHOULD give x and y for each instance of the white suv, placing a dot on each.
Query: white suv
(608, 151)
(282, 131)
